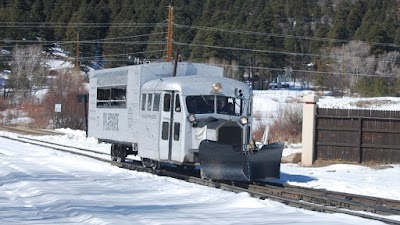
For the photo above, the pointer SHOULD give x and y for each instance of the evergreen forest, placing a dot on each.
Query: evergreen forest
(339, 45)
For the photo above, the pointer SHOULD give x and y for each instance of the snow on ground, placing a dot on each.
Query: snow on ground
(269, 103)
(59, 64)
(51, 187)
(355, 179)
(341, 177)
(381, 103)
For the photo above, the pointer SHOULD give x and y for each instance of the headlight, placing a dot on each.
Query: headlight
(191, 118)
(243, 120)
(217, 88)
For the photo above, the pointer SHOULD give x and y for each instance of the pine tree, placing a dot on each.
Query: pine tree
(339, 29)
(377, 34)
(122, 35)
(354, 18)
(36, 16)
(380, 87)
(81, 28)
(363, 87)
(61, 16)
(185, 13)
(17, 15)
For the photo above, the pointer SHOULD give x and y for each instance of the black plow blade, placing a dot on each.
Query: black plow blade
(221, 162)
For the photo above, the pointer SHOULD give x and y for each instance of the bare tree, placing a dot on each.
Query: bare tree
(353, 60)
(29, 72)
(358, 62)
(334, 62)
(64, 91)
(387, 66)
(231, 68)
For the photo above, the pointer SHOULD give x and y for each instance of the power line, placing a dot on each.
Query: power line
(268, 51)
(215, 29)
(125, 54)
(111, 41)
(245, 49)
(95, 41)
(83, 25)
(104, 41)
(176, 25)
(211, 46)
(112, 58)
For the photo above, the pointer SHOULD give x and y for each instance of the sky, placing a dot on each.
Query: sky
(42, 186)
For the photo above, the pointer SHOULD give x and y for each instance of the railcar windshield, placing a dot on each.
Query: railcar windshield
(204, 104)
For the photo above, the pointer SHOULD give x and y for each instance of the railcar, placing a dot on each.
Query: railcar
(187, 114)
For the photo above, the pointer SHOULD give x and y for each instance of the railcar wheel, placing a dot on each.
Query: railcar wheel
(202, 175)
(120, 153)
(154, 165)
(113, 153)
(149, 163)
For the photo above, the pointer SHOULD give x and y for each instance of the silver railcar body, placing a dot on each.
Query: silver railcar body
(196, 117)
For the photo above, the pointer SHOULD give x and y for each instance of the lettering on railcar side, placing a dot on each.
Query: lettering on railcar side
(146, 116)
(110, 121)
(130, 117)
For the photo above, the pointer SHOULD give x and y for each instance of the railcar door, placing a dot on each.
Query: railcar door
(171, 123)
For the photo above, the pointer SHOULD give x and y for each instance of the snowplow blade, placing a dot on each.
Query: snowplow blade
(221, 162)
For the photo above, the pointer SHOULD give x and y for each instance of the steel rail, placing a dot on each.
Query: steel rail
(356, 202)
(300, 197)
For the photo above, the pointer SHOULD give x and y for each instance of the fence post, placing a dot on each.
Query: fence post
(308, 129)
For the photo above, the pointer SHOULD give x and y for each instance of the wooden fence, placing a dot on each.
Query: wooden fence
(357, 135)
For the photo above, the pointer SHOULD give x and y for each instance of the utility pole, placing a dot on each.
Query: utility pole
(169, 34)
(342, 69)
(77, 53)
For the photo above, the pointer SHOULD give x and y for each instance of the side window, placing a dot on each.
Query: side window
(149, 101)
(167, 102)
(177, 129)
(111, 97)
(239, 106)
(250, 106)
(103, 94)
(165, 130)
(118, 93)
(156, 103)
(177, 103)
(143, 102)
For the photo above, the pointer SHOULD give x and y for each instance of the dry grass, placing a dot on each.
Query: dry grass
(38, 113)
(369, 103)
(4, 104)
(63, 90)
(287, 126)
(258, 133)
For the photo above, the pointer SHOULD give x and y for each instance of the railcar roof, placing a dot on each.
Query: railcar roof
(162, 69)
(196, 84)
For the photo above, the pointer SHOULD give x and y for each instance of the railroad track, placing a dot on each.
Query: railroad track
(28, 131)
(355, 202)
(307, 198)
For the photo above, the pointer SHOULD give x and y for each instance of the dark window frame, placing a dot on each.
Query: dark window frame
(149, 102)
(167, 102)
(165, 131)
(143, 102)
(111, 97)
(156, 102)
(177, 131)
